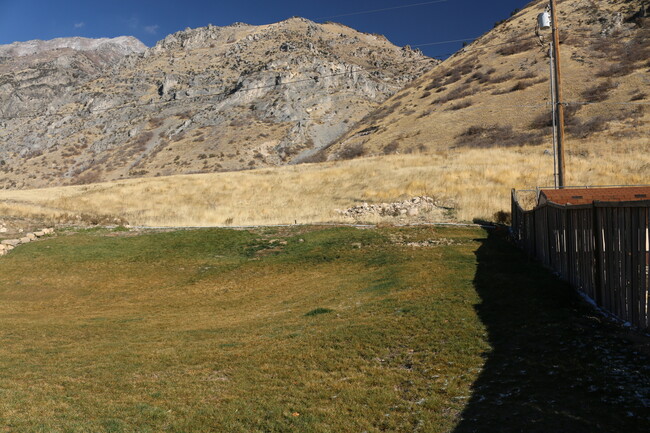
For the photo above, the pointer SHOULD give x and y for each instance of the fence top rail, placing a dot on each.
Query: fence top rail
(585, 187)
(566, 206)
(594, 204)
(636, 203)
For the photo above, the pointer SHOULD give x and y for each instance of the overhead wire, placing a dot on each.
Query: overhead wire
(372, 11)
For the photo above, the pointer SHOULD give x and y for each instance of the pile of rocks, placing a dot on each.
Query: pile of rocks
(9, 244)
(408, 208)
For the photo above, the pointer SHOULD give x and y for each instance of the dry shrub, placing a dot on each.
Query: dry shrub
(521, 85)
(90, 176)
(314, 158)
(600, 92)
(499, 79)
(391, 147)
(626, 56)
(353, 151)
(467, 66)
(155, 122)
(502, 217)
(545, 120)
(141, 141)
(590, 126)
(380, 113)
(585, 128)
(516, 46)
(453, 77)
(179, 136)
(437, 82)
(616, 70)
(496, 136)
(457, 93)
(639, 96)
(460, 105)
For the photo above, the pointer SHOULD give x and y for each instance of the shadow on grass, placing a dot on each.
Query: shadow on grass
(555, 365)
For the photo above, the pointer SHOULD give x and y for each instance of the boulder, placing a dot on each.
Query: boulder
(31, 236)
(11, 242)
(25, 240)
(39, 234)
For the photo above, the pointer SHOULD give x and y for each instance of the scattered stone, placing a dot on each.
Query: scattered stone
(412, 208)
(9, 244)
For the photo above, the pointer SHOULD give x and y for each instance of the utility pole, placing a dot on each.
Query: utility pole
(559, 106)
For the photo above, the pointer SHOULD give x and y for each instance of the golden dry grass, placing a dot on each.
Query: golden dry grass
(476, 182)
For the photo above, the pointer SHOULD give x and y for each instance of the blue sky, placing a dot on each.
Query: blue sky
(152, 20)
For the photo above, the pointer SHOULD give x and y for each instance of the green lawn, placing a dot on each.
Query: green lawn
(304, 330)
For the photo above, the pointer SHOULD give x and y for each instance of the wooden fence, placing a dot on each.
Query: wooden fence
(603, 249)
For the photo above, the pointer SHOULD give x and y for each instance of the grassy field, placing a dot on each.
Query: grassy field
(476, 183)
(304, 329)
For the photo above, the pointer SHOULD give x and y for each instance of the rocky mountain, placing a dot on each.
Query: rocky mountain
(201, 100)
(495, 92)
(34, 73)
(114, 47)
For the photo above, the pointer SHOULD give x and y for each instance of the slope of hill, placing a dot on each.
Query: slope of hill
(34, 74)
(208, 99)
(495, 92)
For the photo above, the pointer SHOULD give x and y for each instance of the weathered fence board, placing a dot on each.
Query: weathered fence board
(603, 249)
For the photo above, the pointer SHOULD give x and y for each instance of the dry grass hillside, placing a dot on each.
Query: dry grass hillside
(465, 133)
(495, 92)
(467, 183)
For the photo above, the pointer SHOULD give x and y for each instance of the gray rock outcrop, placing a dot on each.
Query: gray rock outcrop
(201, 100)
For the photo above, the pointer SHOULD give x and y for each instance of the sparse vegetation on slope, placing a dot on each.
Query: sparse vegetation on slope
(475, 182)
(604, 67)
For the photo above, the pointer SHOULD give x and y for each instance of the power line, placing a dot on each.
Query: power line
(605, 103)
(428, 44)
(372, 11)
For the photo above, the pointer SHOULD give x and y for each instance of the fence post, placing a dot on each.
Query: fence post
(598, 258)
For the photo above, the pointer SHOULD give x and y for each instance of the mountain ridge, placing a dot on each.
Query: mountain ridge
(209, 99)
(122, 44)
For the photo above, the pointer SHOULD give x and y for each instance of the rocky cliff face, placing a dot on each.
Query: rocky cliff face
(35, 73)
(207, 99)
(120, 46)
